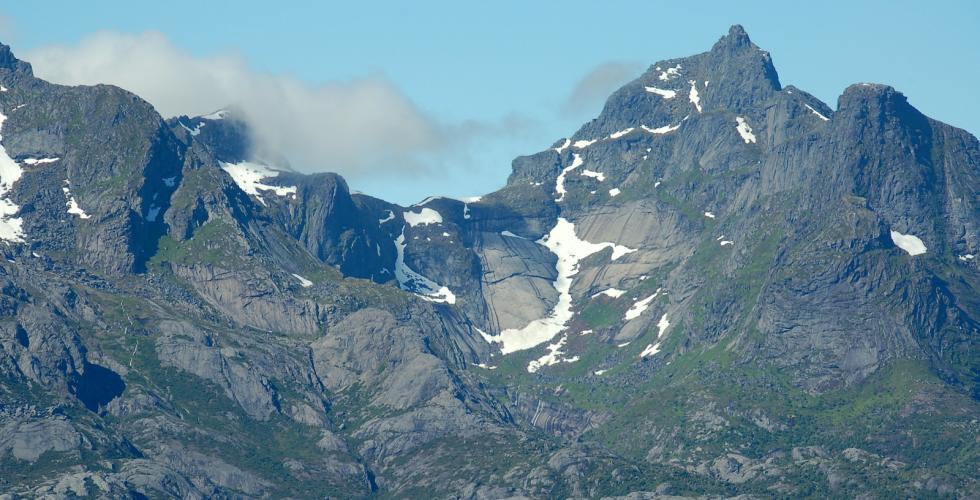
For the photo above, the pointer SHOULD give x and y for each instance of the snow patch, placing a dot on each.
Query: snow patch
(599, 372)
(415, 282)
(822, 117)
(599, 176)
(911, 244)
(553, 357)
(966, 257)
(194, 131)
(617, 135)
(564, 146)
(583, 143)
(650, 350)
(386, 218)
(511, 235)
(566, 245)
(662, 325)
(694, 97)
(303, 282)
(661, 130)
(11, 228)
(72, 205)
(654, 348)
(217, 115)
(744, 130)
(423, 217)
(709, 215)
(249, 177)
(666, 94)
(560, 181)
(614, 192)
(640, 306)
(39, 161)
(610, 292)
(669, 73)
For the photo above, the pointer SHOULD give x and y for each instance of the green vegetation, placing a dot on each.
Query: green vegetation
(213, 243)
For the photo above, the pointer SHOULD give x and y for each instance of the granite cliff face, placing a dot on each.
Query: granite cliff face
(719, 286)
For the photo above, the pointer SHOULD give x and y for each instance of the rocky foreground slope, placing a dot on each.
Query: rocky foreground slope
(719, 286)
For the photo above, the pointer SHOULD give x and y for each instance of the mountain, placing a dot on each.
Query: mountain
(719, 286)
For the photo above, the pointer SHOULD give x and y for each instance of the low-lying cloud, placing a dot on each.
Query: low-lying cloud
(593, 89)
(356, 127)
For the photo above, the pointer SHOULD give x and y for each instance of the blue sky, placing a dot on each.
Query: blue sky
(506, 69)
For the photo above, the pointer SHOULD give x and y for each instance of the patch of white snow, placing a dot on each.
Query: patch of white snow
(560, 181)
(415, 282)
(669, 73)
(822, 117)
(911, 244)
(72, 205)
(744, 130)
(666, 94)
(553, 357)
(249, 176)
(39, 161)
(611, 292)
(11, 228)
(566, 245)
(423, 217)
(693, 96)
(654, 348)
(599, 176)
(617, 135)
(640, 306)
(217, 115)
(303, 282)
(661, 130)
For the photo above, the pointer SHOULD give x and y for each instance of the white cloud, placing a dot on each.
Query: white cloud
(354, 127)
(593, 89)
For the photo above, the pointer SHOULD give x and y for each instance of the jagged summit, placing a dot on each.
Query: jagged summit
(735, 41)
(735, 76)
(736, 50)
(9, 62)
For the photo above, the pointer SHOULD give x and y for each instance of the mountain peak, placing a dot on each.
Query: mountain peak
(10, 62)
(737, 35)
(737, 40)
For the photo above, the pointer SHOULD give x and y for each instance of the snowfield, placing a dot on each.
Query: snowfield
(249, 176)
(570, 250)
(423, 217)
(911, 244)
